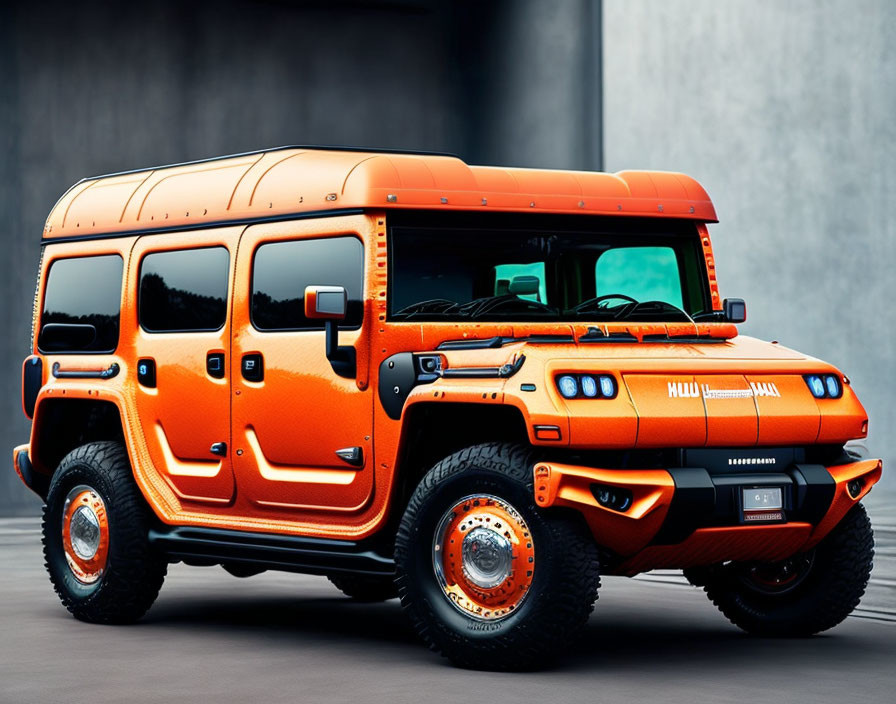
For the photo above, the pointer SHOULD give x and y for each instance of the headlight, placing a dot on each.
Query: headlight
(587, 385)
(816, 385)
(832, 385)
(827, 386)
(608, 386)
(568, 385)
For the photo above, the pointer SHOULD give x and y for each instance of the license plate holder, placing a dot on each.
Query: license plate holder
(762, 504)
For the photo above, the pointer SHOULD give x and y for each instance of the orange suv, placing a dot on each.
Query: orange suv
(474, 388)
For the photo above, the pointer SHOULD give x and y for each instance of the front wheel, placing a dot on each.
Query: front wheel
(95, 537)
(489, 580)
(803, 595)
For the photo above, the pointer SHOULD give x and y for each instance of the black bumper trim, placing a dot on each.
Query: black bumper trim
(703, 500)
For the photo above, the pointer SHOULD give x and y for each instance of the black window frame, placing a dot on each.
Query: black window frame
(227, 295)
(321, 324)
(45, 285)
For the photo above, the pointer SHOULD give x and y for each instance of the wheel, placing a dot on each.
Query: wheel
(488, 579)
(803, 595)
(363, 588)
(95, 537)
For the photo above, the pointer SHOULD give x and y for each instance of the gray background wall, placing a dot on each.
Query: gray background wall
(784, 111)
(780, 109)
(94, 87)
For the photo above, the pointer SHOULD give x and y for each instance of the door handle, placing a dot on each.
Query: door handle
(252, 367)
(351, 455)
(214, 364)
(219, 448)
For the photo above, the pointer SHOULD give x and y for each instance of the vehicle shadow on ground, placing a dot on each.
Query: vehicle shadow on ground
(629, 639)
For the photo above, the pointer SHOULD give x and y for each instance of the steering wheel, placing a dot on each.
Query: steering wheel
(596, 302)
(481, 306)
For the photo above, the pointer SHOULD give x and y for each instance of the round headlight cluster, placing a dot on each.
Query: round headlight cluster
(826, 386)
(587, 386)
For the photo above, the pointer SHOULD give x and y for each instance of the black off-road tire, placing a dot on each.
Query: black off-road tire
(367, 589)
(831, 589)
(134, 571)
(565, 577)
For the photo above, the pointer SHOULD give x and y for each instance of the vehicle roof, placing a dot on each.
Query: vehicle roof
(293, 181)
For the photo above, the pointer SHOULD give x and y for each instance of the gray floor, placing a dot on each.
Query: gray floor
(291, 638)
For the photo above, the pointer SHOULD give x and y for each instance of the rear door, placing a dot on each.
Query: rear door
(182, 349)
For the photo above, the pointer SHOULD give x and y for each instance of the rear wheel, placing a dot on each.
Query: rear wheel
(489, 580)
(95, 537)
(363, 588)
(802, 595)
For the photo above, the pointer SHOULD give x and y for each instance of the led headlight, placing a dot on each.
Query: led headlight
(596, 386)
(589, 386)
(568, 386)
(832, 385)
(607, 386)
(816, 385)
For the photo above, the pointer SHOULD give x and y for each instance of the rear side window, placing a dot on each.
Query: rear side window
(282, 270)
(82, 305)
(184, 290)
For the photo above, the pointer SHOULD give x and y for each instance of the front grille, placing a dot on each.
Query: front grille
(717, 460)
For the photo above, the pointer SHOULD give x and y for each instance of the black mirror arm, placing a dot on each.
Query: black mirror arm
(342, 359)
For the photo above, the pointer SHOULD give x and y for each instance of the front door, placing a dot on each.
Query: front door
(301, 432)
(182, 352)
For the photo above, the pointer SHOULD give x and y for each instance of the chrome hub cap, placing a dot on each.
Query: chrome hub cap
(85, 529)
(487, 557)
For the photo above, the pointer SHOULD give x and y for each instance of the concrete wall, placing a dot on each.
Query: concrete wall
(93, 87)
(785, 112)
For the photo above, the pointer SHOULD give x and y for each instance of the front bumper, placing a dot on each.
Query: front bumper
(687, 516)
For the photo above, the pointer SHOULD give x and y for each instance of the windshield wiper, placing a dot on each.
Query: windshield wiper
(670, 308)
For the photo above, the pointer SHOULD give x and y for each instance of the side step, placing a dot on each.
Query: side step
(266, 551)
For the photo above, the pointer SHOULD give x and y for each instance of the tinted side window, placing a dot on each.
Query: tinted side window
(85, 291)
(282, 270)
(184, 290)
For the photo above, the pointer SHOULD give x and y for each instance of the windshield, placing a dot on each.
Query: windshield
(506, 268)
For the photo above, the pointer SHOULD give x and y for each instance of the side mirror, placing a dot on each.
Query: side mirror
(330, 303)
(735, 310)
(325, 302)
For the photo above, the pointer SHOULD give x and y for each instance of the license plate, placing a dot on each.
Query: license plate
(763, 504)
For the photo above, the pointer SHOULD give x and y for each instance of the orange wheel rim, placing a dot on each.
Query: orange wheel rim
(85, 534)
(484, 557)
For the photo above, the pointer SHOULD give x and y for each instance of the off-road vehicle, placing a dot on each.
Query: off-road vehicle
(474, 388)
